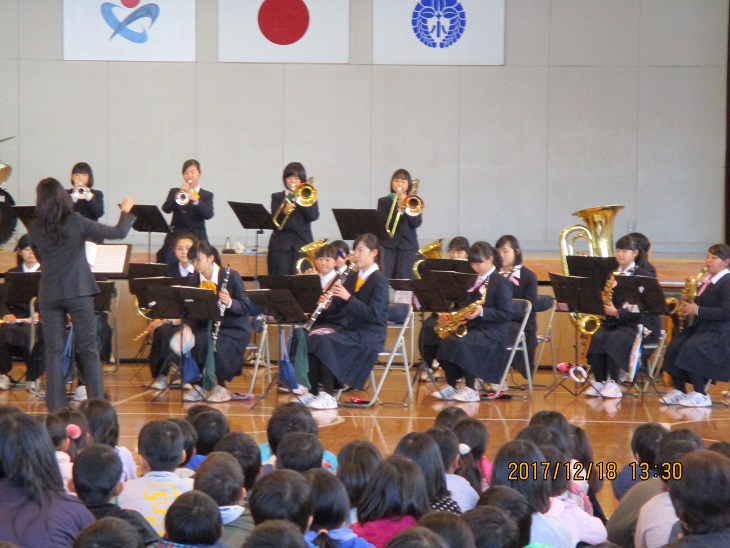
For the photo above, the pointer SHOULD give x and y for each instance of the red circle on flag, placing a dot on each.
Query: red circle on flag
(130, 3)
(283, 22)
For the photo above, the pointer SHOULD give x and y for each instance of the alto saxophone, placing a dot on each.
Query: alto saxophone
(689, 294)
(455, 322)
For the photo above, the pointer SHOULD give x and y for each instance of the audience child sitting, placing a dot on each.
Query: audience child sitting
(515, 504)
(644, 444)
(108, 533)
(299, 452)
(220, 477)
(282, 494)
(276, 533)
(160, 445)
(190, 440)
(459, 488)
(192, 520)
(493, 527)
(393, 500)
(104, 429)
(210, 425)
(330, 510)
(450, 527)
(583, 454)
(34, 509)
(73, 416)
(96, 481)
(61, 439)
(449, 416)
(475, 467)
(422, 449)
(357, 461)
(417, 537)
(245, 450)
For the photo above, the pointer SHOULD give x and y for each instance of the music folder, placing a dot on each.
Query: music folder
(354, 222)
(306, 288)
(598, 269)
(577, 294)
(643, 291)
(279, 303)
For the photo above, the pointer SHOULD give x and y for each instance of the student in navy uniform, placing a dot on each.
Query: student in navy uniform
(15, 337)
(285, 244)
(67, 285)
(700, 352)
(400, 249)
(235, 327)
(346, 355)
(524, 286)
(481, 353)
(610, 347)
(92, 206)
(190, 217)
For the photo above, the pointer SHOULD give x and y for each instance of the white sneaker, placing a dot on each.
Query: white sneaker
(595, 390)
(673, 397)
(194, 394)
(446, 393)
(323, 401)
(300, 390)
(219, 394)
(695, 399)
(4, 382)
(612, 390)
(80, 394)
(466, 394)
(306, 399)
(160, 383)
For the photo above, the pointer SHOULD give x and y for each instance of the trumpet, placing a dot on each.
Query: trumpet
(183, 197)
(305, 195)
(411, 204)
(80, 193)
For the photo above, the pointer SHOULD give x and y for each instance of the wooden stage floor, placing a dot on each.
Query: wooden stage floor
(609, 424)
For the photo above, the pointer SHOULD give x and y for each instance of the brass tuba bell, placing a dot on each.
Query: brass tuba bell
(430, 251)
(311, 251)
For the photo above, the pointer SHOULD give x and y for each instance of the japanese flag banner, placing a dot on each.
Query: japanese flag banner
(129, 30)
(438, 32)
(284, 31)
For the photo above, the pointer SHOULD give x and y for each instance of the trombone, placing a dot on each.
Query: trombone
(411, 205)
(305, 195)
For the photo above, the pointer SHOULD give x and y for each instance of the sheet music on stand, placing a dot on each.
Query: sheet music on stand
(598, 269)
(305, 288)
(354, 222)
(108, 259)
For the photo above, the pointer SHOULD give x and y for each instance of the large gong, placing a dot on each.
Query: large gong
(8, 218)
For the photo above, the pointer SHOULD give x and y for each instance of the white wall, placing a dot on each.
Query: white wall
(599, 102)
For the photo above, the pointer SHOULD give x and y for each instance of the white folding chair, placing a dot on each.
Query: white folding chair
(519, 344)
(258, 352)
(545, 303)
(400, 319)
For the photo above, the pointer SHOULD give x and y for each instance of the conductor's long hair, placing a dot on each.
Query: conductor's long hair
(53, 206)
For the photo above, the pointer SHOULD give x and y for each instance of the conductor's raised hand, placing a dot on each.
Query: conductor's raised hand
(127, 204)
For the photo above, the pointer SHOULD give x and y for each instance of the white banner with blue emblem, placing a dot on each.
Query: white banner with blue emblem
(438, 32)
(129, 30)
(284, 31)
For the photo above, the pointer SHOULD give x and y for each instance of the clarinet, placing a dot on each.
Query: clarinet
(221, 308)
(329, 294)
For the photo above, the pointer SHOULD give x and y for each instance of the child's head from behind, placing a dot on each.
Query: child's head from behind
(448, 445)
(291, 417)
(422, 450)
(220, 477)
(56, 428)
(645, 441)
(73, 416)
(330, 505)
(246, 451)
(103, 421)
(449, 416)
(160, 444)
(299, 452)
(190, 438)
(210, 426)
(282, 494)
(193, 518)
(356, 462)
(109, 532)
(96, 474)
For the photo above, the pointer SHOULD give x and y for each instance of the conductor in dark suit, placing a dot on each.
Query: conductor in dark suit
(188, 217)
(67, 286)
(235, 327)
(285, 244)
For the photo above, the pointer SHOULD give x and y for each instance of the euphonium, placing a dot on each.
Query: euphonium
(455, 322)
(410, 204)
(305, 195)
(689, 294)
(311, 251)
(80, 192)
(430, 251)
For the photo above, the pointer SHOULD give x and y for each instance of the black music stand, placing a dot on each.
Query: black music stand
(454, 285)
(143, 288)
(578, 295)
(149, 220)
(284, 308)
(306, 288)
(23, 286)
(453, 265)
(354, 222)
(183, 303)
(598, 269)
(253, 217)
(26, 214)
(146, 270)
